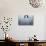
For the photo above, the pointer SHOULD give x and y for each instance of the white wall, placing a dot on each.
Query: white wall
(24, 32)
(14, 8)
(45, 28)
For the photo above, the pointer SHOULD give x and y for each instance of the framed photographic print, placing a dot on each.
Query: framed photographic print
(25, 20)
